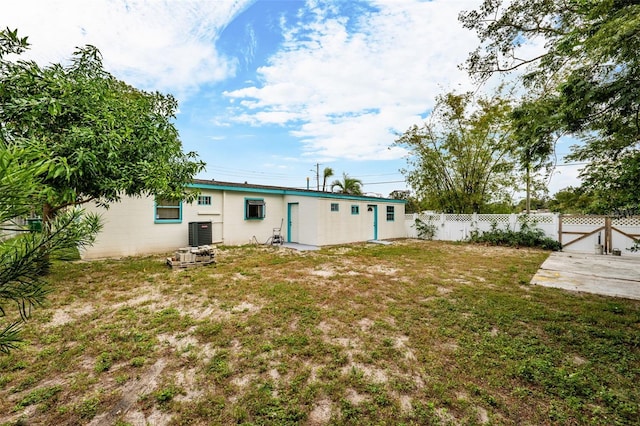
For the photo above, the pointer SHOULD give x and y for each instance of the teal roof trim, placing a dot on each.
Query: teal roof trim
(234, 187)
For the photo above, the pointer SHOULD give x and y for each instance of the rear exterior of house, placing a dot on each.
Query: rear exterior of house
(236, 214)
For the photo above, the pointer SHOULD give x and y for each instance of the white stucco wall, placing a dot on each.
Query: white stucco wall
(342, 226)
(129, 230)
(307, 220)
(336, 227)
(213, 213)
(391, 229)
(238, 230)
(129, 227)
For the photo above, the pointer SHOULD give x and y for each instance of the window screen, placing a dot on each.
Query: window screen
(168, 210)
(391, 213)
(254, 209)
(204, 200)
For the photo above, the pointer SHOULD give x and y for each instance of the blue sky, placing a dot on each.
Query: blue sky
(268, 89)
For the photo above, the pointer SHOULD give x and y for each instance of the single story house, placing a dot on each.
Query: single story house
(236, 214)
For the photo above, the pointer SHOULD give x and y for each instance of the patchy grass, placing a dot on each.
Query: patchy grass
(419, 332)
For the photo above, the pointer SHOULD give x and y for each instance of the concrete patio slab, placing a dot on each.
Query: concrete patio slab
(616, 276)
(300, 247)
(383, 242)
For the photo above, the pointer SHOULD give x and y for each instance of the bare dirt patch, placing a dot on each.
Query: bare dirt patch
(405, 403)
(326, 272)
(381, 269)
(321, 413)
(245, 307)
(213, 310)
(178, 343)
(354, 397)
(365, 324)
(70, 314)
(376, 375)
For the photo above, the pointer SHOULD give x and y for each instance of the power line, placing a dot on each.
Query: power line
(380, 183)
(571, 164)
(229, 172)
(381, 174)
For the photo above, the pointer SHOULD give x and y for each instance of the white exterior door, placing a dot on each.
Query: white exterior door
(372, 210)
(292, 223)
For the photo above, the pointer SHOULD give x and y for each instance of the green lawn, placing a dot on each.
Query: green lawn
(418, 332)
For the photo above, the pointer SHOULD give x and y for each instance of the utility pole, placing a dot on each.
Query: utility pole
(317, 172)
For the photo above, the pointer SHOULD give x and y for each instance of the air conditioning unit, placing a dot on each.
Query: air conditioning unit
(200, 234)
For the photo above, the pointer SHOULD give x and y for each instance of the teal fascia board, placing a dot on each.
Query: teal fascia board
(279, 191)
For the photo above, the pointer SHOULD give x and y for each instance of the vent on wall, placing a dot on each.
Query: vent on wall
(200, 234)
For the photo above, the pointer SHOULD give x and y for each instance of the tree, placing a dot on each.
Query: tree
(347, 185)
(21, 255)
(105, 138)
(412, 205)
(23, 168)
(326, 174)
(587, 79)
(462, 158)
(69, 135)
(535, 138)
(573, 201)
(532, 204)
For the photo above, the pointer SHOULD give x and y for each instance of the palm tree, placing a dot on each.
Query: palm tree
(328, 172)
(348, 185)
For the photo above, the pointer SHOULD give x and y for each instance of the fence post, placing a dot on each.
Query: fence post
(513, 221)
(560, 228)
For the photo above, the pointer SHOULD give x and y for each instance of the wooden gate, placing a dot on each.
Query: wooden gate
(573, 229)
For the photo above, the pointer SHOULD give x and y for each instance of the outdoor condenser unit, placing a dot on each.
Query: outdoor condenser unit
(200, 234)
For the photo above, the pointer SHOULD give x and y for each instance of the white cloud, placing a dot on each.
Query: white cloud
(353, 84)
(156, 45)
(564, 177)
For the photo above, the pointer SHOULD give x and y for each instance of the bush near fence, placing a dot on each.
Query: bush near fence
(459, 227)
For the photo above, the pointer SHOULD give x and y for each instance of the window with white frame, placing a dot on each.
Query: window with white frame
(254, 208)
(168, 210)
(204, 200)
(335, 207)
(391, 213)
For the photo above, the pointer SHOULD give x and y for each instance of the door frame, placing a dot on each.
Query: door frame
(289, 205)
(374, 209)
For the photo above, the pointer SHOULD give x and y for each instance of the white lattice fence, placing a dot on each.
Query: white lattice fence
(632, 221)
(458, 227)
(583, 220)
(12, 228)
(625, 232)
(599, 233)
(494, 218)
(582, 234)
(579, 233)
